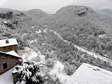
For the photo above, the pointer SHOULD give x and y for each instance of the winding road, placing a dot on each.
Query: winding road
(93, 54)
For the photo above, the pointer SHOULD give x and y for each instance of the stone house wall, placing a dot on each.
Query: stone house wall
(7, 62)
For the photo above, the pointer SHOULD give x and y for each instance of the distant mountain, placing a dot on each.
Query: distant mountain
(76, 17)
(5, 10)
(37, 14)
(70, 16)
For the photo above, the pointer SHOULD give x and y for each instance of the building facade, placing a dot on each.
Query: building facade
(8, 61)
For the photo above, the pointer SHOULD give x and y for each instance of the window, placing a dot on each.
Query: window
(4, 65)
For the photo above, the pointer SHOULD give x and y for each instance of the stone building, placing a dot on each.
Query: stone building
(8, 56)
(8, 45)
(8, 61)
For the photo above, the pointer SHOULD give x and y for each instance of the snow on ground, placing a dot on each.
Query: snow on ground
(86, 74)
(6, 78)
(29, 54)
(42, 57)
(39, 31)
(58, 72)
(89, 74)
(13, 53)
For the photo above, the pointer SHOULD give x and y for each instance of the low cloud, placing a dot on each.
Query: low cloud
(98, 4)
(52, 6)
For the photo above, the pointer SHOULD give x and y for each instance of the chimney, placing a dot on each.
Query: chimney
(7, 41)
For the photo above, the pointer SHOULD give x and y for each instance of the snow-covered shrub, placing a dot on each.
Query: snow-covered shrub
(50, 63)
(29, 73)
(70, 68)
(49, 80)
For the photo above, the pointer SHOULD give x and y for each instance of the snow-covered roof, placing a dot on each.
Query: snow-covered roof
(89, 74)
(13, 53)
(8, 42)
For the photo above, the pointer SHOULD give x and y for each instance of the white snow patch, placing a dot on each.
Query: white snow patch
(89, 74)
(39, 31)
(58, 72)
(28, 54)
(42, 57)
(6, 78)
(45, 30)
(86, 74)
(13, 53)
(58, 68)
(11, 41)
(32, 41)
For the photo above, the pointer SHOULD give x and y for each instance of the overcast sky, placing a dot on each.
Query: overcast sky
(52, 6)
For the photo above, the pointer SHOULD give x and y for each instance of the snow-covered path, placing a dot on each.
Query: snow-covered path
(6, 78)
(94, 54)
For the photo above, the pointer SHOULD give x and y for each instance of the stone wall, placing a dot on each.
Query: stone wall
(7, 62)
(8, 48)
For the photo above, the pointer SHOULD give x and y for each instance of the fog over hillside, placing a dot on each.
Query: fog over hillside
(51, 6)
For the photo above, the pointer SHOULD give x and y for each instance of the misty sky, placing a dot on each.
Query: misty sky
(52, 6)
